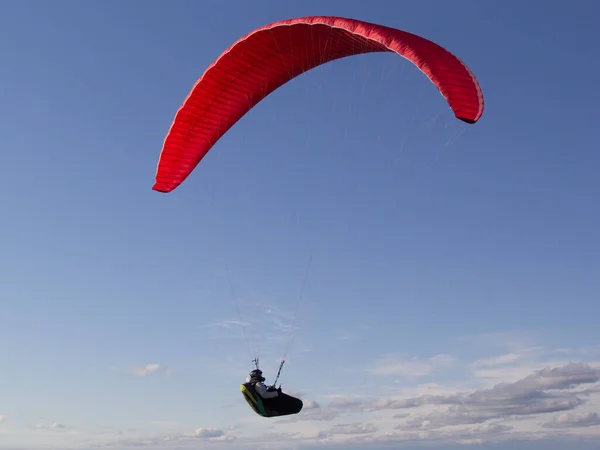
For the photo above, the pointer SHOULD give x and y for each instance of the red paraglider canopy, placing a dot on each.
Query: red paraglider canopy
(272, 55)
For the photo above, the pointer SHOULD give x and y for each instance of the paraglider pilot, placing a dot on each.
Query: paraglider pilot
(268, 401)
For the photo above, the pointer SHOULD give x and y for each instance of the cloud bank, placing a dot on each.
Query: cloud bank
(522, 392)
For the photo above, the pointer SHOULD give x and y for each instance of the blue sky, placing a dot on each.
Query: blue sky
(446, 258)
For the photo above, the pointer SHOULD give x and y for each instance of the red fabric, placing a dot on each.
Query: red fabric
(268, 57)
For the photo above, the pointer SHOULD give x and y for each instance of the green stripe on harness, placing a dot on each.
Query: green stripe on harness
(255, 403)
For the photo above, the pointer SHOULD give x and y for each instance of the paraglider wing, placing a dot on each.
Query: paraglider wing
(271, 55)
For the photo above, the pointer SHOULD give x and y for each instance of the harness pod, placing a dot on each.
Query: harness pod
(282, 405)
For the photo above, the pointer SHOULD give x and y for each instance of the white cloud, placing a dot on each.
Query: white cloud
(354, 428)
(208, 433)
(573, 420)
(148, 369)
(310, 404)
(164, 441)
(508, 410)
(55, 426)
(546, 390)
